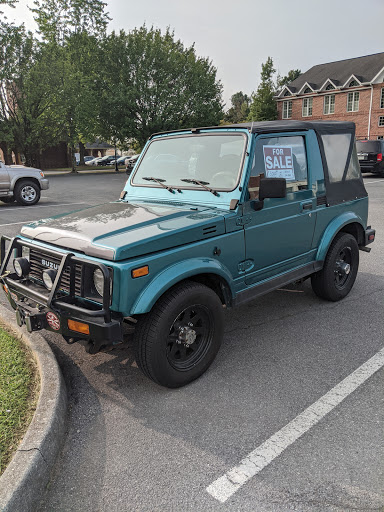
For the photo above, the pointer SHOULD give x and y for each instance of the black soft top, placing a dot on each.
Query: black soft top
(320, 127)
(338, 191)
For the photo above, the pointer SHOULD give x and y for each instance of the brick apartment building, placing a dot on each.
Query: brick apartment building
(346, 90)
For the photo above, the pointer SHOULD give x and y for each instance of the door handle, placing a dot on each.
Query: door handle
(307, 205)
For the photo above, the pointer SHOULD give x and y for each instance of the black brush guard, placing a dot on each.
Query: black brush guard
(104, 330)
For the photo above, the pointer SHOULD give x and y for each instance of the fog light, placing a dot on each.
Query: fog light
(21, 266)
(49, 277)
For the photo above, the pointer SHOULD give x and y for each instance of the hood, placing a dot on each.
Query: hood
(23, 168)
(120, 230)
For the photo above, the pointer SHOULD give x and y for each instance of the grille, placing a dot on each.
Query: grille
(209, 230)
(321, 200)
(37, 267)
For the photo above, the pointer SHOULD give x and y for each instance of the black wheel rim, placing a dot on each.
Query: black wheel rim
(343, 267)
(190, 337)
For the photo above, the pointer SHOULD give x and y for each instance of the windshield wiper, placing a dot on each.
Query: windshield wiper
(202, 184)
(160, 182)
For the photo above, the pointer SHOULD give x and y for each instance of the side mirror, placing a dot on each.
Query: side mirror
(272, 187)
(269, 187)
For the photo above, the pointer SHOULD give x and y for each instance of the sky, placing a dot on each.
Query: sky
(238, 36)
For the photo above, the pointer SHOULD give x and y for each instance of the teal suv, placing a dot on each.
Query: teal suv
(209, 219)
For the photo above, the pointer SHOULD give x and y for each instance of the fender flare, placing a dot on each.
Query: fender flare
(17, 178)
(333, 228)
(173, 275)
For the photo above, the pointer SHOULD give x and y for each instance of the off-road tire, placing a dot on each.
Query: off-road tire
(27, 192)
(328, 283)
(156, 341)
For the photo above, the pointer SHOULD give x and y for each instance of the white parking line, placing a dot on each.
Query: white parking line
(22, 208)
(225, 486)
(375, 181)
(15, 223)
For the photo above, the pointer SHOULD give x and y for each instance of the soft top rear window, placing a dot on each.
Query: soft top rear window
(368, 146)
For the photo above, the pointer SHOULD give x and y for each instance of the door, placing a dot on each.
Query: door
(278, 238)
(4, 179)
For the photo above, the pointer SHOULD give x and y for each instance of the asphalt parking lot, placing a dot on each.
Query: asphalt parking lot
(133, 445)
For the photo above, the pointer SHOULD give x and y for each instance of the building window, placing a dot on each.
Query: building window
(380, 137)
(353, 101)
(307, 107)
(382, 98)
(329, 87)
(353, 83)
(381, 120)
(329, 104)
(307, 90)
(287, 109)
(287, 93)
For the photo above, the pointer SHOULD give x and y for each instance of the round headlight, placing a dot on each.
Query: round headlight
(21, 266)
(49, 277)
(98, 281)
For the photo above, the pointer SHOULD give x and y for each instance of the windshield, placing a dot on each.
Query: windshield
(369, 146)
(213, 160)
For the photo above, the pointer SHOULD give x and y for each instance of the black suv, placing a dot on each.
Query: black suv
(370, 154)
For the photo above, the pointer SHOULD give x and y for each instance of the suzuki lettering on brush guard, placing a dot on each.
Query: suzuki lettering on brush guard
(209, 218)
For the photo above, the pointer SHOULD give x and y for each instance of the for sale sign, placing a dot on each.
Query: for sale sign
(278, 162)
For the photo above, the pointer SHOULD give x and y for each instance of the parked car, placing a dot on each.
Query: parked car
(210, 219)
(370, 154)
(86, 159)
(93, 161)
(120, 161)
(21, 184)
(106, 160)
(130, 163)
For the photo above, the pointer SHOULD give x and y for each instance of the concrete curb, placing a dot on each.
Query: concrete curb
(23, 482)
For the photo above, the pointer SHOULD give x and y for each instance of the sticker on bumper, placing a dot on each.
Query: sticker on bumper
(53, 321)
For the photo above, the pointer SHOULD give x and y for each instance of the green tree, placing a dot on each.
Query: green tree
(58, 19)
(239, 110)
(150, 82)
(263, 106)
(288, 78)
(75, 28)
(28, 75)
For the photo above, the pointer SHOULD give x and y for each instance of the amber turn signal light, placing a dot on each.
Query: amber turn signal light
(139, 272)
(78, 326)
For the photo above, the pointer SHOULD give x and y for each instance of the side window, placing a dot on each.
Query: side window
(336, 148)
(279, 157)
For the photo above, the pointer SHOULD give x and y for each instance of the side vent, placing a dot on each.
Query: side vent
(321, 201)
(209, 230)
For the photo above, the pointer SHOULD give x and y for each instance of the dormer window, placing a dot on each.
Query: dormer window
(329, 87)
(287, 93)
(307, 90)
(353, 83)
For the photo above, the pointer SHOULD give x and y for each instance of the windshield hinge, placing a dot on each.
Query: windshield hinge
(241, 221)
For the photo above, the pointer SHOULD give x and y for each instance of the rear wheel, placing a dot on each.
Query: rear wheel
(27, 192)
(180, 337)
(338, 275)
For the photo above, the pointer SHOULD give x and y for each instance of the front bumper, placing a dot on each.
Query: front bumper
(38, 308)
(44, 184)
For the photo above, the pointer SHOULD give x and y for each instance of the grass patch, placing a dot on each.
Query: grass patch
(19, 386)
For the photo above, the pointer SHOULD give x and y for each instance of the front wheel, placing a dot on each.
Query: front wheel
(180, 337)
(27, 192)
(338, 275)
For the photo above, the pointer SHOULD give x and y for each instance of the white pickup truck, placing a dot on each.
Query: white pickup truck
(21, 184)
